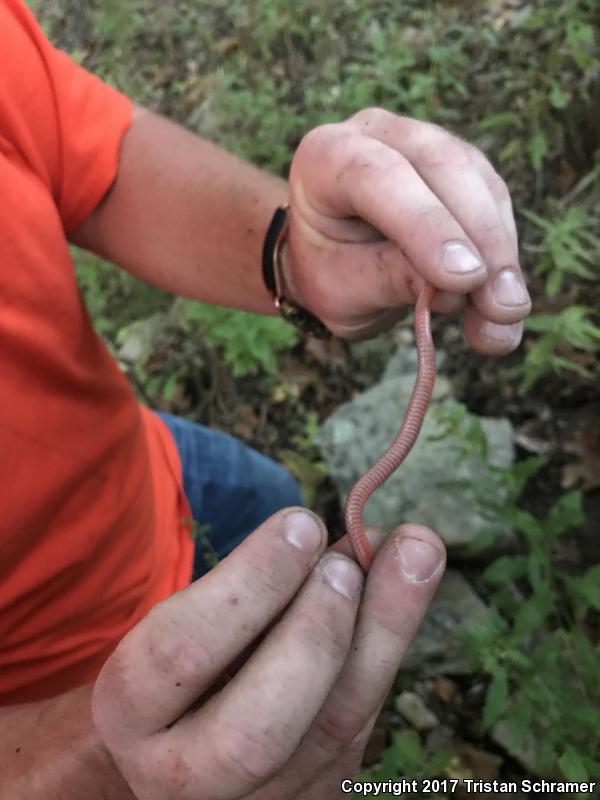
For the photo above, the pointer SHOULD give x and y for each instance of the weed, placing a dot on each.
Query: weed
(249, 342)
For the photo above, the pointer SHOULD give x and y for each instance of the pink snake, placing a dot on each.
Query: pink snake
(404, 441)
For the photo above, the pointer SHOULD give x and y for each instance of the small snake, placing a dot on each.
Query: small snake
(404, 441)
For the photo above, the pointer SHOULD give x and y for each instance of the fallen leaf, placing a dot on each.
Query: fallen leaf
(227, 45)
(585, 444)
(177, 402)
(298, 375)
(246, 422)
(326, 351)
(481, 764)
(566, 176)
(444, 688)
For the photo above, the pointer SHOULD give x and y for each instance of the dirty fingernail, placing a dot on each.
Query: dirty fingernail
(342, 575)
(302, 531)
(418, 559)
(458, 259)
(509, 290)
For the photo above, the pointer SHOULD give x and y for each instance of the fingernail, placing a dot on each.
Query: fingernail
(342, 575)
(509, 290)
(418, 559)
(504, 334)
(302, 531)
(459, 259)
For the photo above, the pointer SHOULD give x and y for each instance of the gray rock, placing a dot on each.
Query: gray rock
(354, 437)
(137, 341)
(414, 711)
(524, 753)
(437, 648)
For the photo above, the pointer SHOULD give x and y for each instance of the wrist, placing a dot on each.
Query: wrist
(280, 279)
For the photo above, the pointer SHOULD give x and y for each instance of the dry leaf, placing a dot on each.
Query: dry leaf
(444, 688)
(246, 423)
(326, 351)
(586, 470)
(298, 375)
(566, 176)
(481, 764)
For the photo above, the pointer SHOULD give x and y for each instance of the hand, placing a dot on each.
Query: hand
(381, 204)
(309, 663)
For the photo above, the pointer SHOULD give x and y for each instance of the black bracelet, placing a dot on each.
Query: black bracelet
(300, 317)
(273, 233)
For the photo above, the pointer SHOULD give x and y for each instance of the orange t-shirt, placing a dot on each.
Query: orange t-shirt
(92, 513)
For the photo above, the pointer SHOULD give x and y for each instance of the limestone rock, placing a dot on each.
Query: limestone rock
(437, 648)
(415, 712)
(354, 437)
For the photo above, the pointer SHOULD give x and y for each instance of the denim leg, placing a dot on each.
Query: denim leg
(230, 487)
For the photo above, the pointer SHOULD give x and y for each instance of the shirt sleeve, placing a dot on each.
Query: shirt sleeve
(65, 124)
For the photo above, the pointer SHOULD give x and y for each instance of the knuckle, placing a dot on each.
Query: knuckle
(369, 116)
(377, 162)
(170, 647)
(496, 184)
(271, 576)
(337, 730)
(498, 188)
(442, 150)
(320, 139)
(252, 757)
(324, 632)
(434, 215)
(494, 239)
(166, 767)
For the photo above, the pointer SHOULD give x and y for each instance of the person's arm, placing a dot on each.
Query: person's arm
(51, 750)
(186, 215)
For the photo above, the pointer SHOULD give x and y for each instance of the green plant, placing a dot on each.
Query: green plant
(545, 89)
(534, 638)
(305, 462)
(249, 342)
(113, 297)
(568, 248)
(407, 758)
(564, 340)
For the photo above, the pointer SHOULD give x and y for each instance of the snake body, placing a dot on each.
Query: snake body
(389, 462)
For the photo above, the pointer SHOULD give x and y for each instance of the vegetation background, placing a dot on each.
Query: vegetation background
(519, 78)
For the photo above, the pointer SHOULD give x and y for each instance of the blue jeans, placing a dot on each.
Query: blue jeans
(230, 487)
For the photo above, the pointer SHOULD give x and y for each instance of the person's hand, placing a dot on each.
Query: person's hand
(381, 204)
(309, 651)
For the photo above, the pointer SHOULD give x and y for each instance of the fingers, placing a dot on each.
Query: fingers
(378, 184)
(253, 727)
(399, 588)
(490, 337)
(176, 652)
(445, 212)
(475, 195)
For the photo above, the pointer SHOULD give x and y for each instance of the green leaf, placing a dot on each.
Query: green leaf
(566, 513)
(533, 613)
(506, 568)
(572, 765)
(513, 148)
(586, 589)
(484, 539)
(557, 97)
(519, 720)
(496, 699)
(537, 149)
(499, 120)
